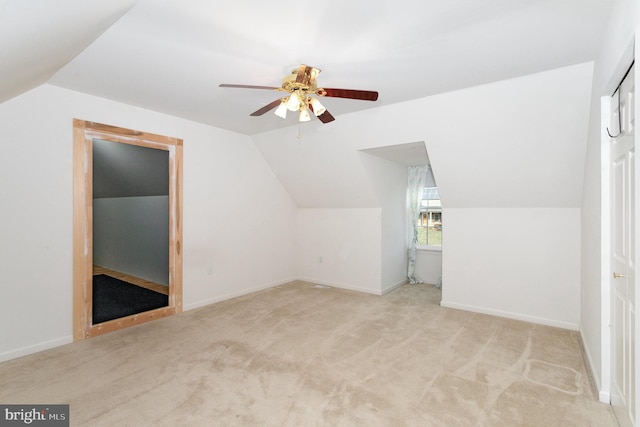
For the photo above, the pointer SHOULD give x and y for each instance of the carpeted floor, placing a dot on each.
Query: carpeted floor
(299, 355)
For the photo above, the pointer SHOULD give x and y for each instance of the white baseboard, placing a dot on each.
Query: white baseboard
(510, 315)
(394, 286)
(231, 295)
(602, 395)
(340, 285)
(24, 351)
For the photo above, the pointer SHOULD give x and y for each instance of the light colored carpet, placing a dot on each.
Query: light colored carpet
(299, 355)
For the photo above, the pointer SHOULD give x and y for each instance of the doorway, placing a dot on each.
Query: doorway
(127, 227)
(623, 277)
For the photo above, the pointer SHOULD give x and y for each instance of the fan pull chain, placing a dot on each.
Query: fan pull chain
(299, 135)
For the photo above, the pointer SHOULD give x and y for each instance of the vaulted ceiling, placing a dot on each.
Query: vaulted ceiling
(38, 37)
(171, 55)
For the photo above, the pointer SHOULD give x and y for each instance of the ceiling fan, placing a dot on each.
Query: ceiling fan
(301, 85)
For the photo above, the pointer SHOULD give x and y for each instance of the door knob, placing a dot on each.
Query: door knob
(618, 275)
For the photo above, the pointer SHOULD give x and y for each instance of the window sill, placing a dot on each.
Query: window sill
(429, 248)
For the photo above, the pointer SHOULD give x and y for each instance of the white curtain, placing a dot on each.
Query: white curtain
(415, 187)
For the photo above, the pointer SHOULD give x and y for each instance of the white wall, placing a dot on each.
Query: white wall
(322, 169)
(131, 235)
(522, 263)
(239, 222)
(340, 247)
(389, 182)
(616, 53)
(429, 265)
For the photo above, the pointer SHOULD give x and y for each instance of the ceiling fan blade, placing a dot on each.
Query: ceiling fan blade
(326, 117)
(266, 108)
(365, 95)
(248, 86)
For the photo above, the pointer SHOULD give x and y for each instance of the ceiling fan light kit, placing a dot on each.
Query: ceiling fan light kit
(304, 115)
(294, 102)
(301, 85)
(281, 111)
(318, 108)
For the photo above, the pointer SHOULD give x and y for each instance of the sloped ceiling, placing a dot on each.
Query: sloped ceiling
(517, 143)
(409, 154)
(171, 55)
(38, 37)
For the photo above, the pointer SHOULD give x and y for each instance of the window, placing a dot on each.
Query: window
(430, 220)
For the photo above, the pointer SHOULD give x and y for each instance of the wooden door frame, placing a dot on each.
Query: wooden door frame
(84, 132)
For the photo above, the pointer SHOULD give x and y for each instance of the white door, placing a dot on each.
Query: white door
(623, 253)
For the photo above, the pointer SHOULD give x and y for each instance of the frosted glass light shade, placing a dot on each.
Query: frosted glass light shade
(281, 111)
(318, 108)
(304, 115)
(293, 103)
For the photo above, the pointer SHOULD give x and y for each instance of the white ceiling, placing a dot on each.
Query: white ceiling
(171, 55)
(37, 37)
(411, 154)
